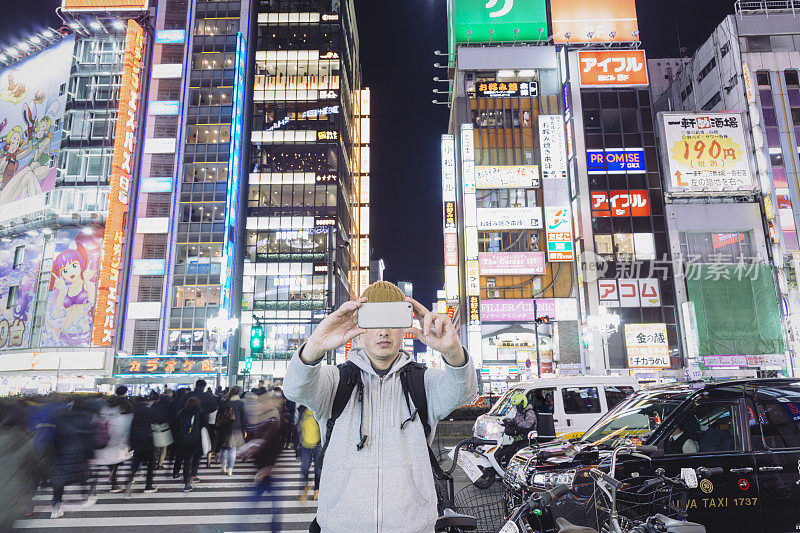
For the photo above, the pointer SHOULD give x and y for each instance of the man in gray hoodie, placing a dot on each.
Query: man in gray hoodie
(385, 485)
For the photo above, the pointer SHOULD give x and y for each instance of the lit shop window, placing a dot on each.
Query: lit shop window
(292, 196)
(211, 27)
(212, 60)
(196, 172)
(508, 241)
(209, 134)
(198, 253)
(201, 296)
(285, 242)
(185, 340)
(506, 198)
(211, 96)
(625, 247)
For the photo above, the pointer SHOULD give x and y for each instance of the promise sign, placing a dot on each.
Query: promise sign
(119, 188)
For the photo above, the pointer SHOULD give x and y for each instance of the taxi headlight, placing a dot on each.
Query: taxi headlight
(553, 479)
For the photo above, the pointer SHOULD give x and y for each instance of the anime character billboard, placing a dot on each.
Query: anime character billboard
(33, 94)
(73, 287)
(19, 271)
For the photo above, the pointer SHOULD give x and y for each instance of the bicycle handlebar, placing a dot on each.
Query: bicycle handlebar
(610, 480)
(473, 441)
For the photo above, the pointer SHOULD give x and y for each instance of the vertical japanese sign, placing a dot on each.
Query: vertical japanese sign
(706, 152)
(119, 187)
(555, 189)
(612, 68)
(232, 202)
(448, 168)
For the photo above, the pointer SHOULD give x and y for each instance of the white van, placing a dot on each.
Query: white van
(576, 402)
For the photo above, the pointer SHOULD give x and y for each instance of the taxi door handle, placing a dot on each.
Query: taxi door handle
(745, 470)
(770, 469)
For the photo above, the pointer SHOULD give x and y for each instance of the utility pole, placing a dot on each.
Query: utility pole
(536, 329)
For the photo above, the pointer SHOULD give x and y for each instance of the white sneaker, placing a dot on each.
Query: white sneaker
(151, 490)
(57, 511)
(230, 472)
(90, 501)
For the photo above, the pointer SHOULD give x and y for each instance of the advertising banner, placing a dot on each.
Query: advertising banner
(712, 361)
(629, 292)
(104, 5)
(448, 168)
(647, 345)
(706, 152)
(73, 287)
(119, 187)
(553, 146)
(479, 21)
(31, 112)
(450, 249)
(612, 68)
(522, 310)
(499, 89)
(511, 263)
(594, 21)
(624, 203)
(558, 220)
(19, 272)
(502, 218)
(502, 177)
(167, 365)
(616, 161)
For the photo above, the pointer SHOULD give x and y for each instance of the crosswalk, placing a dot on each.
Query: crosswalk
(218, 503)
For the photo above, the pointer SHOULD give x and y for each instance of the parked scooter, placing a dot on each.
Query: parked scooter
(487, 463)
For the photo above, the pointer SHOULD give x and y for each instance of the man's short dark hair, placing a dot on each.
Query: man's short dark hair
(200, 384)
(122, 390)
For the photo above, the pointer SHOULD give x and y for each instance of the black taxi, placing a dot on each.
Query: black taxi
(750, 428)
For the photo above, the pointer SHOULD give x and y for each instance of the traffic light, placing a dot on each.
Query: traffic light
(248, 364)
(257, 339)
(543, 320)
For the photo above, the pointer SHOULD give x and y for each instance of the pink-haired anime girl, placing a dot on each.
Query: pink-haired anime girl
(69, 313)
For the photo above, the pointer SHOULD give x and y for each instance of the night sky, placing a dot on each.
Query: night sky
(397, 41)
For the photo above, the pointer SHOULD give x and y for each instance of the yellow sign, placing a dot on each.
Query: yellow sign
(768, 207)
(706, 151)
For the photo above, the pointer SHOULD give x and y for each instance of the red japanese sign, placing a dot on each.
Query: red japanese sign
(620, 203)
(612, 67)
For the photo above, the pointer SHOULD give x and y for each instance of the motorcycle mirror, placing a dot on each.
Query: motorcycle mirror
(533, 435)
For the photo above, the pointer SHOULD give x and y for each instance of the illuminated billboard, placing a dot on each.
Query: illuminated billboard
(706, 152)
(482, 21)
(647, 345)
(72, 293)
(104, 5)
(19, 270)
(612, 68)
(32, 99)
(232, 201)
(509, 176)
(594, 21)
(622, 203)
(119, 186)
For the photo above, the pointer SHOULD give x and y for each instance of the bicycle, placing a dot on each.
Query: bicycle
(647, 494)
(449, 520)
(534, 505)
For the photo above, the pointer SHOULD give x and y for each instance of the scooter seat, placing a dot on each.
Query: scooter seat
(565, 527)
(451, 518)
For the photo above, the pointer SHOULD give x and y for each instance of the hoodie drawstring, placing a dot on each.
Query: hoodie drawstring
(362, 438)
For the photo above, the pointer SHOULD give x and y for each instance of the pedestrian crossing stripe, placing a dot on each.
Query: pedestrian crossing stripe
(217, 500)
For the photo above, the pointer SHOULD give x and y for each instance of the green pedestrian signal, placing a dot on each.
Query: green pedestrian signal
(256, 339)
(248, 364)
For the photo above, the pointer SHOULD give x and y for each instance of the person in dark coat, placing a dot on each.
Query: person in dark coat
(208, 404)
(144, 417)
(231, 432)
(269, 433)
(17, 465)
(74, 444)
(188, 443)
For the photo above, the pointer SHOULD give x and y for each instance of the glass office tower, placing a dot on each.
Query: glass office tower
(307, 226)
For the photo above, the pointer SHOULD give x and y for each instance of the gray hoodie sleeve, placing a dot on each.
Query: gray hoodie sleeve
(449, 388)
(311, 385)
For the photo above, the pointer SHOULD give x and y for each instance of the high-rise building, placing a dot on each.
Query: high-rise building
(70, 117)
(306, 233)
(553, 208)
(182, 289)
(729, 140)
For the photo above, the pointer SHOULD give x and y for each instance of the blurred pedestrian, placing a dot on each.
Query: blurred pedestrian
(268, 448)
(207, 405)
(42, 415)
(118, 415)
(188, 446)
(231, 427)
(17, 465)
(142, 443)
(309, 450)
(74, 446)
(162, 432)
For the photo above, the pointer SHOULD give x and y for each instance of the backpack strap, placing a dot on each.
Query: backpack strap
(349, 378)
(412, 379)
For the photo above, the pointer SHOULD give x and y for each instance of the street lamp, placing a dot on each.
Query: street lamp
(605, 323)
(220, 328)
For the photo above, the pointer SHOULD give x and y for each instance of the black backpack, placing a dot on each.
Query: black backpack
(412, 379)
